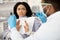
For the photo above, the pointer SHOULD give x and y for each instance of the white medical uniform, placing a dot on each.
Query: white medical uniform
(50, 30)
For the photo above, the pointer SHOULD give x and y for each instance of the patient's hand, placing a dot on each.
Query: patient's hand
(26, 27)
(18, 26)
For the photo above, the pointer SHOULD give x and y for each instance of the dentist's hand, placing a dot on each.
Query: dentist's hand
(18, 26)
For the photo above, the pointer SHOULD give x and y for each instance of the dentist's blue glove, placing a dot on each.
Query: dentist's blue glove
(42, 16)
(12, 21)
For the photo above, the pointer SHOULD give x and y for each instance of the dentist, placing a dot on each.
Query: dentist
(51, 29)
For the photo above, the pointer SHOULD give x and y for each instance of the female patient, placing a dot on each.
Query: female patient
(22, 9)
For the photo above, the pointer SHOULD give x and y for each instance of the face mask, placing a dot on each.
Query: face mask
(12, 21)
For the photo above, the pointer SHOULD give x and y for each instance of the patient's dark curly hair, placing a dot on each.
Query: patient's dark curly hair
(29, 12)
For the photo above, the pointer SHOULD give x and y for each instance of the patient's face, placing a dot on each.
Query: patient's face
(21, 10)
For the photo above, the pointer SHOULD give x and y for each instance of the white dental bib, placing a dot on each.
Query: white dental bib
(22, 24)
(29, 20)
